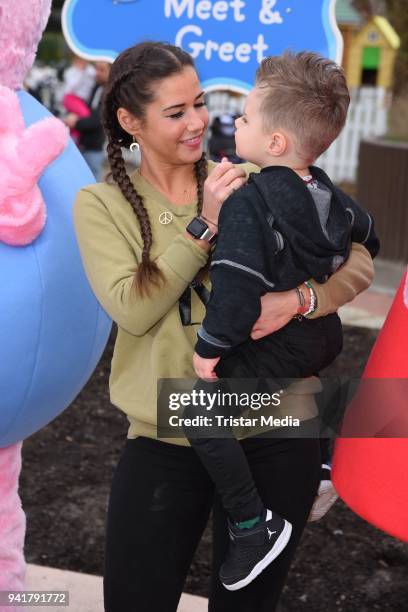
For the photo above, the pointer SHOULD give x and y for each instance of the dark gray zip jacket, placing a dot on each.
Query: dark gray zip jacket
(272, 237)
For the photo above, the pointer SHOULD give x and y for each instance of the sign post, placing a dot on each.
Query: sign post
(227, 39)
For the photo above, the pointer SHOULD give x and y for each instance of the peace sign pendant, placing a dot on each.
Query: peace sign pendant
(166, 217)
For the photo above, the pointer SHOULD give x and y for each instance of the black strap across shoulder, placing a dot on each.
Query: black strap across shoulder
(185, 301)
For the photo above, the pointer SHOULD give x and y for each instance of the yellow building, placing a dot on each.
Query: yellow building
(370, 47)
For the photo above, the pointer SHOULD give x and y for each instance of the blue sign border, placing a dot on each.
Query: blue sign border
(333, 35)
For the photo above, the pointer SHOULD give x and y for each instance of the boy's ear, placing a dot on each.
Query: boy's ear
(128, 122)
(277, 144)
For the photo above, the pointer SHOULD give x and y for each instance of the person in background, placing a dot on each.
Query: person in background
(91, 137)
(78, 83)
(222, 142)
(79, 78)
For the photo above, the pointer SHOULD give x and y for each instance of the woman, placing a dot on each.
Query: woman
(140, 260)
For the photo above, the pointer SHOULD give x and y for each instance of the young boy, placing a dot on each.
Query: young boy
(287, 225)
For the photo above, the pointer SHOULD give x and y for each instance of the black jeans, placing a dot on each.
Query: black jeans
(298, 350)
(160, 502)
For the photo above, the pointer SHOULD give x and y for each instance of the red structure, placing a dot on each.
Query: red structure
(371, 473)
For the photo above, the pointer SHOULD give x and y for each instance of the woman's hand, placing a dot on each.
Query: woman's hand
(223, 180)
(277, 309)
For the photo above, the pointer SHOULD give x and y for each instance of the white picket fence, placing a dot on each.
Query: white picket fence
(367, 118)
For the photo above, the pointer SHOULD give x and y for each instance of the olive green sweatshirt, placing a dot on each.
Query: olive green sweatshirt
(151, 341)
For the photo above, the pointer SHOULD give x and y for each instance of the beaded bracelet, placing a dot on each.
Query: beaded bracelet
(313, 299)
(304, 310)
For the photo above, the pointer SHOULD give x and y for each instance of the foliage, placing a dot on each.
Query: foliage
(52, 48)
(398, 16)
(398, 118)
(54, 23)
(368, 8)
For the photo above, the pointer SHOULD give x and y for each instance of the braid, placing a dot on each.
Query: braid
(147, 272)
(201, 173)
(110, 101)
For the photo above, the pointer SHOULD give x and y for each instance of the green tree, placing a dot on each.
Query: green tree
(54, 23)
(368, 8)
(53, 48)
(397, 14)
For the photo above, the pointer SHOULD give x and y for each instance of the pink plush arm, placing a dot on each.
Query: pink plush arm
(39, 145)
(24, 155)
(11, 119)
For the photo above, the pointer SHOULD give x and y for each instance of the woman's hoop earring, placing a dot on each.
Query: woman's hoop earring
(134, 147)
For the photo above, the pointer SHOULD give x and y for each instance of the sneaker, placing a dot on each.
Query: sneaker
(326, 495)
(252, 550)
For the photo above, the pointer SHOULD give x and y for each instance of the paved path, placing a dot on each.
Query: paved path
(85, 591)
(369, 309)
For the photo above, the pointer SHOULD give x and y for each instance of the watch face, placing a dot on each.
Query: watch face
(197, 227)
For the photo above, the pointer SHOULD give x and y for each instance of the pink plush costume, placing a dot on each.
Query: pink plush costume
(12, 522)
(24, 154)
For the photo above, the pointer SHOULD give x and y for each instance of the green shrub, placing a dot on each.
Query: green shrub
(52, 48)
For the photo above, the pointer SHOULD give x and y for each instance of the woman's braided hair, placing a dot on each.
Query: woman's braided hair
(131, 78)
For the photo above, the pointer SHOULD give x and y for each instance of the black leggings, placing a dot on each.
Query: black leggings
(160, 501)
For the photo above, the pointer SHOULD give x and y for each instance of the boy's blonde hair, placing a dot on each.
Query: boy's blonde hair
(306, 94)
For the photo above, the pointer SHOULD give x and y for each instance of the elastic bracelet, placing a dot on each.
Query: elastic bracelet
(313, 299)
(208, 221)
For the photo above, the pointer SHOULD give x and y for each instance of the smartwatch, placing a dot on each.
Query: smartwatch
(199, 229)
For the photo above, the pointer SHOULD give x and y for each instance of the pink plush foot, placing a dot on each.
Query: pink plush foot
(12, 523)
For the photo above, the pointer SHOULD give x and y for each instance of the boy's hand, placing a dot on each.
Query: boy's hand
(204, 368)
(277, 309)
